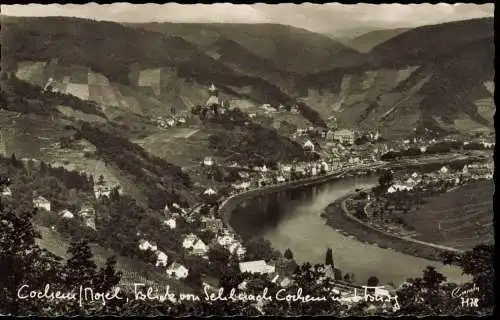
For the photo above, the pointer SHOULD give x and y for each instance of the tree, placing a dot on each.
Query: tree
(337, 274)
(219, 256)
(101, 182)
(80, 268)
(108, 276)
(329, 257)
(372, 281)
(259, 248)
(115, 194)
(347, 278)
(288, 254)
(385, 179)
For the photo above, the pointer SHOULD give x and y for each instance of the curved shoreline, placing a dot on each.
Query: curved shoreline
(423, 249)
(417, 248)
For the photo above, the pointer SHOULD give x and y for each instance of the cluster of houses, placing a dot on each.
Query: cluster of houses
(423, 143)
(169, 122)
(174, 270)
(87, 212)
(342, 136)
(445, 175)
(105, 190)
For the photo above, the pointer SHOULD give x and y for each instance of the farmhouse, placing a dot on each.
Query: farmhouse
(344, 136)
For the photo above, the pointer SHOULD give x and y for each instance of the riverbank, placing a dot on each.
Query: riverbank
(338, 217)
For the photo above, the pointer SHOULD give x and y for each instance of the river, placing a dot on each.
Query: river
(303, 230)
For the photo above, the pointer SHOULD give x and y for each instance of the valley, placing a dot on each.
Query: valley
(128, 139)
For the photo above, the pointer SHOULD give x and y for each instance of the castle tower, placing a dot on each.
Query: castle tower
(213, 96)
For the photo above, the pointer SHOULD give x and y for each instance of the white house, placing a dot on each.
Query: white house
(285, 282)
(240, 252)
(101, 191)
(210, 192)
(66, 214)
(344, 136)
(280, 179)
(6, 192)
(171, 122)
(189, 241)
(444, 169)
(308, 145)
(243, 174)
(225, 240)
(200, 248)
(465, 169)
(170, 223)
(258, 266)
(161, 259)
(177, 270)
(41, 203)
(324, 166)
(208, 161)
(145, 245)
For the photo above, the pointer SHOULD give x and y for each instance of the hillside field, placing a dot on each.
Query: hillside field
(461, 218)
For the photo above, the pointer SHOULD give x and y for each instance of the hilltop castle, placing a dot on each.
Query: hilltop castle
(213, 97)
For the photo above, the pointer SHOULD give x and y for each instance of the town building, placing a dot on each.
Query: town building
(344, 136)
(161, 259)
(210, 192)
(200, 248)
(308, 145)
(208, 161)
(6, 192)
(258, 266)
(66, 214)
(41, 203)
(145, 245)
(177, 270)
(213, 96)
(170, 223)
(189, 241)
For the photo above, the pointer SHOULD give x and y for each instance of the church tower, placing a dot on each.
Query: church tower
(213, 96)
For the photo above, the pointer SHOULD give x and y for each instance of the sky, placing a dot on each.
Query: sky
(324, 18)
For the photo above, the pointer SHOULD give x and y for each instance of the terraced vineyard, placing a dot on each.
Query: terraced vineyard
(461, 218)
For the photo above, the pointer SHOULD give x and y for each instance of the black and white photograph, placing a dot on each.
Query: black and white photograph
(247, 159)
